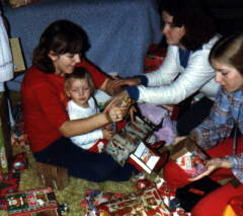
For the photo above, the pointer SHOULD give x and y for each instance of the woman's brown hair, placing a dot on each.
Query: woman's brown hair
(60, 37)
(198, 23)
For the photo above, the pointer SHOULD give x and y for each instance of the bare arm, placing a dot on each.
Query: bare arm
(108, 87)
(82, 126)
(132, 81)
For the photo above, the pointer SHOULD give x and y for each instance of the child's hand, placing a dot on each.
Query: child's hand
(107, 134)
(117, 114)
(117, 101)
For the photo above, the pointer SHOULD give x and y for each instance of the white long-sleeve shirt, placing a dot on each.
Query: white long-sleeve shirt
(85, 141)
(172, 83)
(6, 62)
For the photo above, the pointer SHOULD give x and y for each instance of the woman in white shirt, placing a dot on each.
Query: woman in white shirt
(185, 72)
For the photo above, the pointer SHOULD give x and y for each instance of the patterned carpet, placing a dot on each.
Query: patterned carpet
(70, 195)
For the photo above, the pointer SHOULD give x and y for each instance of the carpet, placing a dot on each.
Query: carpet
(73, 193)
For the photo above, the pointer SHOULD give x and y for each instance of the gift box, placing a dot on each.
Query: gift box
(31, 203)
(190, 158)
(125, 142)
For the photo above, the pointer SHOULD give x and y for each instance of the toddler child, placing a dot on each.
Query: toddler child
(79, 88)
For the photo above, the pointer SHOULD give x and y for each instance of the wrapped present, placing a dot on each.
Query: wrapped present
(31, 203)
(9, 183)
(146, 202)
(190, 158)
(154, 58)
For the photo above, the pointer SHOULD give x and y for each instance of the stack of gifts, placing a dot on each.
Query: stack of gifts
(137, 142)
(190, 158)
(148, 201)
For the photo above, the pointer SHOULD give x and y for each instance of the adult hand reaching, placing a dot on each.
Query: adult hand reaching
(119, 82)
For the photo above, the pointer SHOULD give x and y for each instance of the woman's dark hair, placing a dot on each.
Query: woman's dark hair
(79, 73)
(192, 14)
(229, 50)
(60, 37)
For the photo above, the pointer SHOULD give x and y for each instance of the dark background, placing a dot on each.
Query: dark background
(228, 14)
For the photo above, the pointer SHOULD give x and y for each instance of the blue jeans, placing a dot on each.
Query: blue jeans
(83, 164)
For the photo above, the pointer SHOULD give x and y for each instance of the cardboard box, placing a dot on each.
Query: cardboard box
(190, 158)
(144, 158)
(53, 176)
(18, 58)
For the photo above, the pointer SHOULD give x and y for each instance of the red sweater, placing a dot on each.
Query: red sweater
(44, 104)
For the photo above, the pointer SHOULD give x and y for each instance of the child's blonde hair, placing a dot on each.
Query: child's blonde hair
(79, 73)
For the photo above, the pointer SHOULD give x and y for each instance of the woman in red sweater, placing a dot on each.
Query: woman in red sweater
(59, 51)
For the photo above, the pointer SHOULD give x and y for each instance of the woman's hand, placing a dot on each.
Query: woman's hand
(119, 82)
(212, 165)
(107, 134)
